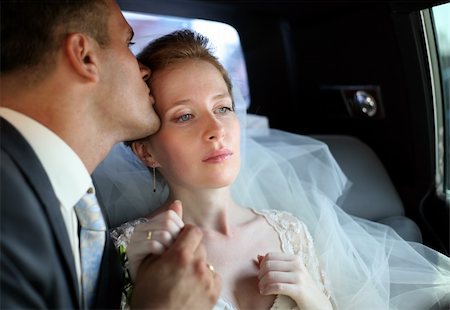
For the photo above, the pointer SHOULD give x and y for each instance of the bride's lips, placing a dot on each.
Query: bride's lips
(217, 156)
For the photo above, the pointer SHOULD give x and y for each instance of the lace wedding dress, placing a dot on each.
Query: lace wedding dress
(367, 265)
(294, 238)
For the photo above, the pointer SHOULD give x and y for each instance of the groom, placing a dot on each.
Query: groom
(71, 89)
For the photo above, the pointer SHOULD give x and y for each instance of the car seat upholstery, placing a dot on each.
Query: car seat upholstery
(372, 195)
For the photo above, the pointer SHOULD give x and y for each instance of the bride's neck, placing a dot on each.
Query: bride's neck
(212, 210)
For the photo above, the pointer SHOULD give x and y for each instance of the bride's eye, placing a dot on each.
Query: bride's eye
(224, 110)
(184, 118)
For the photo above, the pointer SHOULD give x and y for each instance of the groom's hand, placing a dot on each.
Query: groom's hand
(179, 278)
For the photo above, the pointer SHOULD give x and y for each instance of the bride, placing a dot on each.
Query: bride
(271, 228)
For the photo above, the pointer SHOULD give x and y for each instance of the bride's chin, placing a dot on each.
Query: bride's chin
(220, 183)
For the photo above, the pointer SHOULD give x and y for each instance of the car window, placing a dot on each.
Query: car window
(227, 45)
(437, 35)
(441, 22)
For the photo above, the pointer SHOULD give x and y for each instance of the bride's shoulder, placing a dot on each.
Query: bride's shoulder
(283, 219)
(294, 235)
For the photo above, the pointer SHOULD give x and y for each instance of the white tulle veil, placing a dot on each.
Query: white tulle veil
(368, 266)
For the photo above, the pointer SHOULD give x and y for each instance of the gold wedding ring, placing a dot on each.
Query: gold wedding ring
(149, 235)
(210, 267)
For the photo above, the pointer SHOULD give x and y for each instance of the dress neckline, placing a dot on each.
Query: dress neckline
(280, 301)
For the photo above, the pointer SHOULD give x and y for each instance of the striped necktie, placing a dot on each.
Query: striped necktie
(92, 242)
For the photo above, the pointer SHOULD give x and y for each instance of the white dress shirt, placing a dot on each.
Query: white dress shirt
(68, 175)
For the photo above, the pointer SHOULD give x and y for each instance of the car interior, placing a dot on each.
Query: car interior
(356, 75)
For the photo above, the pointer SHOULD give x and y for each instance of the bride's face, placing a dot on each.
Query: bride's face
(198, 144)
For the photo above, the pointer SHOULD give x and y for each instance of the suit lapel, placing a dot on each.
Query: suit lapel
(25, 158)
(110, 281)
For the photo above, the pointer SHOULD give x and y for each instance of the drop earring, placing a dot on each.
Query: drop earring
(154, 179)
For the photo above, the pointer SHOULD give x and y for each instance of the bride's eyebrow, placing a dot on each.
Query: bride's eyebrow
(222, 96)
(180, 102)
(176, 106)
(177, 103)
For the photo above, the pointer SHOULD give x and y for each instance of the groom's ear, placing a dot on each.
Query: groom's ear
(140, 148)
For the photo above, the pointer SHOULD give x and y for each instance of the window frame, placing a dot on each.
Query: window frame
(441, 164)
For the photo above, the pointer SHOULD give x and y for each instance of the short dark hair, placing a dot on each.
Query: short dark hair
(32, 30)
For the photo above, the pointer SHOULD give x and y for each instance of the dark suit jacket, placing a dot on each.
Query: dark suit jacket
(37, 269)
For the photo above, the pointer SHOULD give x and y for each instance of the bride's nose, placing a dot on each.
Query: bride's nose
(213, 129)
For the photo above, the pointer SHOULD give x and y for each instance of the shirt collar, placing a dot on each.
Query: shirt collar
(67, 173)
